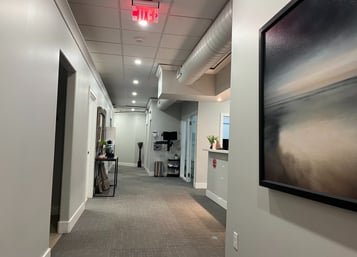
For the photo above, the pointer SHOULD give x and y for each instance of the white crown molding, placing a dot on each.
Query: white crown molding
(68, 18)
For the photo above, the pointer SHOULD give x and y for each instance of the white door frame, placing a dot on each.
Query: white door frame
(92, 121)
(188, 150)
(186, 145)
(189, 168)
(183, 152)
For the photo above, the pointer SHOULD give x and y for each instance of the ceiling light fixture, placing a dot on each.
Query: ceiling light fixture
(133, 109)
(219, 99)
(137, 61)
(134, 93)
(133, 102)
(139, 39)
(143, 23)
(135, 81)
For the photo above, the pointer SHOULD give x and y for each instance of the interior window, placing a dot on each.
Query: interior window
(224, 128)
(225, 134)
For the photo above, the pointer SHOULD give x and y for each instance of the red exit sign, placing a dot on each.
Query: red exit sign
(144, 13)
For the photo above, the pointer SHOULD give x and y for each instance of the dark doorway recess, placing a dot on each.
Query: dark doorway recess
(64, 72)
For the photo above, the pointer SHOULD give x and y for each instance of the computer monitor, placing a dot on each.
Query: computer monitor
(225, 144)
(169, 135)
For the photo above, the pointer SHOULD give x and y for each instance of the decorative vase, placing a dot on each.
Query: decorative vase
(211, 146)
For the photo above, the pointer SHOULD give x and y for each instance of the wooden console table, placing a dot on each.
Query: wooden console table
(98, 161)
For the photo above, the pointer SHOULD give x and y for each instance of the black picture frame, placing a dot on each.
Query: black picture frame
(307, 98)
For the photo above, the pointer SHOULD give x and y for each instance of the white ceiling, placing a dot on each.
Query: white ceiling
(115, 41)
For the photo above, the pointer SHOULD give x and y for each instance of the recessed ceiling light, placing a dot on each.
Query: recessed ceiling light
(143, 23)
(132, 109)
(139, 39)
(134, 93)
(135, 81)
(219, 99)
(137, 61)
(133, 101)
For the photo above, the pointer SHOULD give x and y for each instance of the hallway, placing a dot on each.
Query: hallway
(149, 217)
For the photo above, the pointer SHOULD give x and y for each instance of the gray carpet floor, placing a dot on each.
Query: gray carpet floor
(148, 217)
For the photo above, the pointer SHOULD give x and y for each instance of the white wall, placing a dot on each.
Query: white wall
(188, 108)
(270, 223)
(223, 79)
(130, 129)
(33, 33)
(217, 178)
(170, 88)
(208, 123)
(168, 120)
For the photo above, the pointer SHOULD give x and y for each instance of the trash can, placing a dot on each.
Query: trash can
(158, 168)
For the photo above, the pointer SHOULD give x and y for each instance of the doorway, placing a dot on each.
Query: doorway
(189, 153)
(148, 139)
(91, 152)
(65, 72)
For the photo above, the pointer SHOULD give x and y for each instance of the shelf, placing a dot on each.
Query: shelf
(173, 167)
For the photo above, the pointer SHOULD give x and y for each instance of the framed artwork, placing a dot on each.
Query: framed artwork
(308, 101)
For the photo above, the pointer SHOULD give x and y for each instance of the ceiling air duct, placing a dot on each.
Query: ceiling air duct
(215, 44)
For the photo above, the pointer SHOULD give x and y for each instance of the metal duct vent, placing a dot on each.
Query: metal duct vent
(215, 44)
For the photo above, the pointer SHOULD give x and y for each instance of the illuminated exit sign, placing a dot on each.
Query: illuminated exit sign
(144, 13)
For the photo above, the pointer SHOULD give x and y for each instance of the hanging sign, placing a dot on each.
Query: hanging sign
(145, 13)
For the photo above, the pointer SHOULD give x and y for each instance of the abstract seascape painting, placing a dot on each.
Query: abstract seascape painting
(308, 101)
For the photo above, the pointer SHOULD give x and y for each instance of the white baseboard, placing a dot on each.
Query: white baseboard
(150, 173)
(219, 200)
(200, 185)
(65, 226)
(129, 164)
(184, 179)
(47, 253)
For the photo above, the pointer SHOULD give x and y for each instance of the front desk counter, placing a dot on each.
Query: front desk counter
(217, 176)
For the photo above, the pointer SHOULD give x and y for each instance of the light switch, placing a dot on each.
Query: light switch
(235, 240)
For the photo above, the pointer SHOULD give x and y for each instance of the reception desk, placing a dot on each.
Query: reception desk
(217, 176)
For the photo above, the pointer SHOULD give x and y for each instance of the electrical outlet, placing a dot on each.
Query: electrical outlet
(235, 240)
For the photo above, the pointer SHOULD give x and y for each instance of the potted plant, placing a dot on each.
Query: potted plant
(211, 139)
(102, 145)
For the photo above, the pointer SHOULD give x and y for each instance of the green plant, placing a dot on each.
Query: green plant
(102, 146)
(212, 139)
